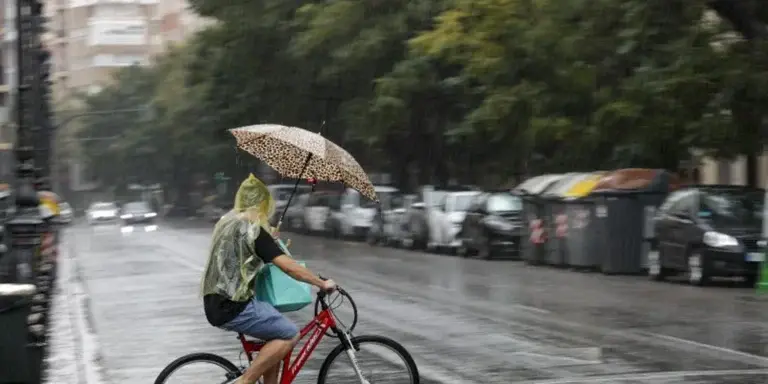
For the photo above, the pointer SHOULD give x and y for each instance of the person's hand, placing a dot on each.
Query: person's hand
(328, 285)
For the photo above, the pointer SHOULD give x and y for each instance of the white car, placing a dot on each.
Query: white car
(355, 214)
(282, 192)
(445, 219)
(65, 212)
(102, 213)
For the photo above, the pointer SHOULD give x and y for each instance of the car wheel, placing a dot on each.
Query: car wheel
(484, 248)
(296, 224)
(372, 237)
(655, 271)
(751, 280)
(698, 271)
(462, 250)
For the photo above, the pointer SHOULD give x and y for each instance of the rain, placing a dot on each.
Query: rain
(431, 191)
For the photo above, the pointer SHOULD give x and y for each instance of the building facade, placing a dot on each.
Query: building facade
(90, 39)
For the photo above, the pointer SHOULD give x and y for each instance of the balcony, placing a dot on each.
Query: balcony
(118, 61)
(88, 3)
(117, 33)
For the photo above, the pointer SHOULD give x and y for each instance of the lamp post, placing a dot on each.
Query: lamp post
(17, 277)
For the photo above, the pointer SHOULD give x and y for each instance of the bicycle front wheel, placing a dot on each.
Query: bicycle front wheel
(380, 360)
(199, 368)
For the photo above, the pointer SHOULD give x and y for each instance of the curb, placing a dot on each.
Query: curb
(72, 313)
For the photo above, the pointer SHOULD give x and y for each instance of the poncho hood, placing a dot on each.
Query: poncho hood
(232, 260)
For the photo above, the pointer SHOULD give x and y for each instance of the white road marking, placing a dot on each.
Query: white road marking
(749, 357)
(650, 376)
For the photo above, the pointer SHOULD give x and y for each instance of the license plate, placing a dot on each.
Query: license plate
(755, 256)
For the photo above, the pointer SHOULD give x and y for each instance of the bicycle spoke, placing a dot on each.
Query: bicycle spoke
(378, 364)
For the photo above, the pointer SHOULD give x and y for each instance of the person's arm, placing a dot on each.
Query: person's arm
(267, 249)
(298, 271)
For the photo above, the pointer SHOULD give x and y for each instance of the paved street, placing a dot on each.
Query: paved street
(464, 321)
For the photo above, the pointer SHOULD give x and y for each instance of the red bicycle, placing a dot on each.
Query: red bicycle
(211, 368)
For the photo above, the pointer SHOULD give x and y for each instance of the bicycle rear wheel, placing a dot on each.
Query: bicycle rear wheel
(199, 368)
(381, 360)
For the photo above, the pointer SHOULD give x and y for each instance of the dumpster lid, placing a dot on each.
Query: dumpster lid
(525, 185)
(637, 180)
(562, 186)
(584, 186)
(540, 185)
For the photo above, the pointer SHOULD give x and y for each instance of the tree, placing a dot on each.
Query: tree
(434, 90)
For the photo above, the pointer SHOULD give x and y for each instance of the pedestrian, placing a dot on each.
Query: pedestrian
(242, 243)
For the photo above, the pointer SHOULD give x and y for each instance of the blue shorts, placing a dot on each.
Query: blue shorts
(262, 321)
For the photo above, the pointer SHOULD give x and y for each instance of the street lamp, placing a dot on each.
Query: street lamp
(17, 278)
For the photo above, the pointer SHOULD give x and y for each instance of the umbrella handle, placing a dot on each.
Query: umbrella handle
(295, 187)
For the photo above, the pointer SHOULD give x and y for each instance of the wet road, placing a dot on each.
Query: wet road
(465, 321)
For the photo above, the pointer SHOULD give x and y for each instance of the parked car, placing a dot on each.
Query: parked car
(387, 222)
(102, 213)
(317, 211)
(353, 215)
(433, 220)
(137, 212)
(294, 217)
(708, 231)
(493, 224)
(446, 219)
(66, 215)
(212, 213)
(281, 193)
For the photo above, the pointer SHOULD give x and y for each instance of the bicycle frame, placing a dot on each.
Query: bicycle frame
(317, 327)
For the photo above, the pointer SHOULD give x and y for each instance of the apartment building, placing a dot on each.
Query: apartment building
(90, 39)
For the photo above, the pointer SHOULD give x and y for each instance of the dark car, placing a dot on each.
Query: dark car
(709, 231)
(492, 226)
(137, 212)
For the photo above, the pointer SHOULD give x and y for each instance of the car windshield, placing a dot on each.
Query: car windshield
(503, 202)
(138, 206)
(103, 207)
(384, 197)
(460, 203)
(745, 207)
(282, 193)
(436, 197)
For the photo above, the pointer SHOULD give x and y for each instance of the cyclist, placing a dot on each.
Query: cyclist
(241, 244)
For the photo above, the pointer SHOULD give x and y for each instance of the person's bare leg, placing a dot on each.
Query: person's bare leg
(268, 357)
(270, 376)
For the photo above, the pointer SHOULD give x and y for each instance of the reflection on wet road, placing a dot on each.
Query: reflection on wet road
(465, 321)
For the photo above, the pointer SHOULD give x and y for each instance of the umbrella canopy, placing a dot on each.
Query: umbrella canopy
(286, 149)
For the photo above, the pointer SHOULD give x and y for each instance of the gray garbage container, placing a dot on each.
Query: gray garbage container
(628, 214)
(557, 217)
(532, 244)
(586, 234)
(14, 352)
(557, 228)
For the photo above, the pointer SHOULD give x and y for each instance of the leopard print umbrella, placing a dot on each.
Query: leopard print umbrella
(286, 148)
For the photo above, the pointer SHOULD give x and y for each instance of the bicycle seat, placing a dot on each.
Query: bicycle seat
(250, 339)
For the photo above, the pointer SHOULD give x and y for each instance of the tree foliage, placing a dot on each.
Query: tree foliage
(432, 90)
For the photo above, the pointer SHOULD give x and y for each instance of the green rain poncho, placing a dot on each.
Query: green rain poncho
(232, 261)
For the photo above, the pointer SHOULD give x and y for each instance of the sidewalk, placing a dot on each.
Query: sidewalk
(73, 350)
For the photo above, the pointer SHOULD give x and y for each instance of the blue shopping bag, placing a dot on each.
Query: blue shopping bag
(283, 292)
